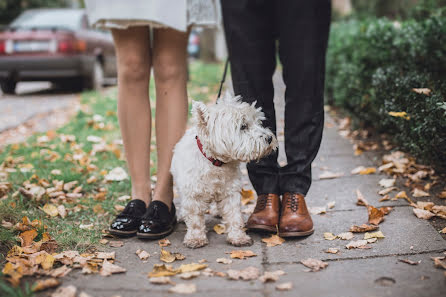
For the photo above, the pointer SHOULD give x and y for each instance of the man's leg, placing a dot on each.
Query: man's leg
(303, 34)
(250, 35)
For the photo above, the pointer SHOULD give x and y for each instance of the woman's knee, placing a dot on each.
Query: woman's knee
(169, 68)
(134, 69)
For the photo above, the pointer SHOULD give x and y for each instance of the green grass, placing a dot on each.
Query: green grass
(203, 85)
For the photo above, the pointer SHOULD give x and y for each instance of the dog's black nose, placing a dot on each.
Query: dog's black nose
(269, 139)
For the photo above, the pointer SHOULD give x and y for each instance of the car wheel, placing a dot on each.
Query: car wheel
(96, 78)
(8, 86)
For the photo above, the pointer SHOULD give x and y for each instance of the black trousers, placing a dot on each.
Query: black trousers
(298, 30)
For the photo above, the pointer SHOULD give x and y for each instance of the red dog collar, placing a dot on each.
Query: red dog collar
(214, 162)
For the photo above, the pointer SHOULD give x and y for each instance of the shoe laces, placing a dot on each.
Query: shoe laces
(293, 203)
(263, 201)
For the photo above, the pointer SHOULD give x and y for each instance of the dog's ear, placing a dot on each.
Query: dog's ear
(200, 113)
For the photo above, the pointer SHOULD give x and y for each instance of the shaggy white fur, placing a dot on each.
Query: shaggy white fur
(232, 132)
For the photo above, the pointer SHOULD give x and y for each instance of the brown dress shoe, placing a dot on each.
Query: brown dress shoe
(294, 217)
(266, 214)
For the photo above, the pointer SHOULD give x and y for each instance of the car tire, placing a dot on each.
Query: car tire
(95, 80)
(8, 86)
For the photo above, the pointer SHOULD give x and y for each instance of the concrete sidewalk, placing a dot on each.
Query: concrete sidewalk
(357, 272)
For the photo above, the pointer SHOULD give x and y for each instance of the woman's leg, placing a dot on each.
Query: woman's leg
(134, 62)
(170, 71)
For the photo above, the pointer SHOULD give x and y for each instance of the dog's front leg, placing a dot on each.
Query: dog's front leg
(232, 217)
(193, 212)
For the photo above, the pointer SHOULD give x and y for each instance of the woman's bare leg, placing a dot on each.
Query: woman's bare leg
(134, 62)
(170, 71)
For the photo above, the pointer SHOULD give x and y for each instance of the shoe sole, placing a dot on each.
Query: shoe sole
(156, 235)
(122, 233)
(255, 227)
(296, 234)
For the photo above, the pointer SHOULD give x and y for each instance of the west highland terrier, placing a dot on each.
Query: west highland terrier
(206, 165)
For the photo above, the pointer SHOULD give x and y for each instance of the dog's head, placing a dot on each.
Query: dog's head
(232, 130)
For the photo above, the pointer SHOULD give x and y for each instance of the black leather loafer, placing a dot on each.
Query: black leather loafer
(128, 221)
(158, 221)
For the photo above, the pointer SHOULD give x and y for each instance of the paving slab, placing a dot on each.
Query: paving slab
(405, 234)
(364, 278)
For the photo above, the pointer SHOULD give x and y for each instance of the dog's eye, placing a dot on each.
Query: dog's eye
(243, 127)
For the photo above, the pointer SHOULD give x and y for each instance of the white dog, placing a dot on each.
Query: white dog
(206, 165)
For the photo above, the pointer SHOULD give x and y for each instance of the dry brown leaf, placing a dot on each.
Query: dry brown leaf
(317, 210)
(439, 262)
(424, 91)
(376, 215)
(168, 257)
(183, 289)
(62, 271)
(330, 175)
(314, 264)
(142, 254)
(50, 209)
(409, 261)
(119, 207)
(384, 198)
(164, 242)
(116, 243)
(103, 241)
(242, 254)
(61, 211)
(109, 268)
(224, 260)
(162, 270)
(86, 226)
(191, 267)
(442, 195)
(387, 182)
(27, 237)
(161, 280)
(249, 273)
(423, 214)
(116, 174)
(284, 286)
(387, 191)
(377, 234)
(220, 228)
(443, 230)
(68, 291)
(332, 251)
(189, 275)
(44, 284)
(425, 205)
(329, 236)
(361, 201)
(273, 240)
(420, 193)
(271, 276)
(356, 244)
(247, 196)
(345, 236)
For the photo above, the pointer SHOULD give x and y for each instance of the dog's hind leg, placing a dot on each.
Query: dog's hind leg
(232, 218)
(195, 222)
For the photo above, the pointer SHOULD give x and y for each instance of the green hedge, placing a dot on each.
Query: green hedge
(372, 68)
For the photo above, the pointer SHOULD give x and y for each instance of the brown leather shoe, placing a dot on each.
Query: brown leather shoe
(266, 214)
(294, 217)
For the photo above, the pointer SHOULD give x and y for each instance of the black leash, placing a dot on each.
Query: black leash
(223, 78)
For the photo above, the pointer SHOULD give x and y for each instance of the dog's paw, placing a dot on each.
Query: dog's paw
(241, 239)
(195, 242)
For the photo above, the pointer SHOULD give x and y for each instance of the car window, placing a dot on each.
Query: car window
(54, 18)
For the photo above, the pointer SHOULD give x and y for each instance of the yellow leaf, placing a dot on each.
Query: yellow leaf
(220, 228)
(247, 196)
(368, 170)
(50, 209)
(329, 236)
(163, 270)
(166, 256)
(273, 240)
(44, 284)
(377, 234)
(191, 267)
(164, 242)
(47, 262)
(399, 114)
(241, 254)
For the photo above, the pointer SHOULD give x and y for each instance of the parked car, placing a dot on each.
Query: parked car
(55, 45)
(193, 46)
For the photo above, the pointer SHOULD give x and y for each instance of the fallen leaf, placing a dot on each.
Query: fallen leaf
(124, 198)
(103, 241)
(189, 275)
(191, 267)
(332, 251)
(376, 215)
(116, 243)
(368, 170)
(271, 276)
(94, 139)
(160, 280)
(420, 193)
(361, 201)
(116, 174)
(249, 273)
(385, 198)
(164, 242)
(409, 261)
(372, 240)
(317, 210)
(83, 294)
(423, 214)
(68, 291)
(27, 237)
(330, 175)
(329, 236)
(442, 195)
(439, 262)
(119, 207)
(163, 270)
(109, 268)
(356, 244)
(220, 228)
(386, 209)
(425, 205)
(424, 91)
(61, 211)
(61, 271)
(143, 255)
(273, 240)
(331, 204)
(399, 114)
(183, 289)
(224, 260)
(284, 286)
(242, 254)
(86, 226)
(168, 257)
(44, 284)
(377, 234)
(50, 209)
(247, 196)
(387, 190)
(314, 264)
(357, 170)
(387, 182)
(345, 236)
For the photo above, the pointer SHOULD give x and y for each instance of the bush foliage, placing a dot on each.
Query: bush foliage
(373, 66)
